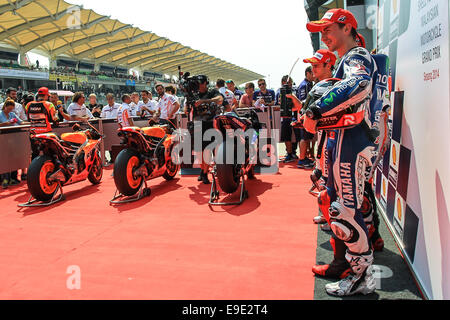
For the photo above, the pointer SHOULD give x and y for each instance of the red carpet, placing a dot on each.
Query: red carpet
(169, 246)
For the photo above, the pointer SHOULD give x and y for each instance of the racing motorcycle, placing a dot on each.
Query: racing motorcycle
(71, 158)
(147, 155)
(230, 171)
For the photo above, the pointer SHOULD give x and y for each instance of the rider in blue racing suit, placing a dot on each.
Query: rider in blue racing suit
(352, 148)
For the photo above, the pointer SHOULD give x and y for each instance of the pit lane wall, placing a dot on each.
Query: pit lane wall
(412, 183)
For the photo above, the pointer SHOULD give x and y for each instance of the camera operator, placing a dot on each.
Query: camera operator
(203, 120)
(286, 119)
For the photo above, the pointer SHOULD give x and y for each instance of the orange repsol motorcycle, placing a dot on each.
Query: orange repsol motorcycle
(64, 160)
(147, 155)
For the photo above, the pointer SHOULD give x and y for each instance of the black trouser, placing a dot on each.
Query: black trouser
(14, 175)
(5, 176)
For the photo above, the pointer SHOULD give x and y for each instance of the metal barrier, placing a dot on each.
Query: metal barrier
(15, 148)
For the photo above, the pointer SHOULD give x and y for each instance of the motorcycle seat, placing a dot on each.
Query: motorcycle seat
(155, 131)
(74, 137)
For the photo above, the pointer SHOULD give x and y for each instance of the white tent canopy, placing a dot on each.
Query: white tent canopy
(60, 28)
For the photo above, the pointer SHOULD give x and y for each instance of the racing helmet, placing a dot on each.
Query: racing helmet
(319, 90)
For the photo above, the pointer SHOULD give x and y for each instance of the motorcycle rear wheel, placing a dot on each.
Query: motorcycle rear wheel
(37, 179)
(228, 175)
(126, 162)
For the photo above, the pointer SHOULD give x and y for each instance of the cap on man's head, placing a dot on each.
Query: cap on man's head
(43, 91)
(332, 16)
(360, 40)
(10, 89)
(322, 56)
(229, 81)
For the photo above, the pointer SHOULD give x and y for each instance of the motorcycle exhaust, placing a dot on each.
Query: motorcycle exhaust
(141, 171)
(57, 176)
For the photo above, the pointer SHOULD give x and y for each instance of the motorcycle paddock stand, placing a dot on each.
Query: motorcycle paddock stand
(119, 198)
(214, 195)
(36, 203)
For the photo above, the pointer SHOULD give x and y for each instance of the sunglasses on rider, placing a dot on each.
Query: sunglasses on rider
(261, 84)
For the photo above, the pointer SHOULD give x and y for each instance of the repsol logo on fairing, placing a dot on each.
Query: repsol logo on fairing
(346, 184)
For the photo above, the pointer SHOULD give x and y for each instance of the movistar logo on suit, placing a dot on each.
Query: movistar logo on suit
(330, 99)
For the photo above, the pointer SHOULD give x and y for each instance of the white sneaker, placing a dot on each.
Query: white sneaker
(352, 285)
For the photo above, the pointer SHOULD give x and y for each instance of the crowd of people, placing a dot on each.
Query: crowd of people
(14, 111)
(110, 74)
(71, 71)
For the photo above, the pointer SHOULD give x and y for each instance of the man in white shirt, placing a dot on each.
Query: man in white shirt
(77, 110)
(123, 114)
(147, 105)
(227, 94)
(134, 105)
(11, 93)
(110, 110)
(167, 107)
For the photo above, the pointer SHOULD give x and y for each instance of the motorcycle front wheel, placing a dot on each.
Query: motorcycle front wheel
(96, 173)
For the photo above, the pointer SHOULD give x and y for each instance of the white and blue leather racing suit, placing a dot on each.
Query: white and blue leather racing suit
(351, 151)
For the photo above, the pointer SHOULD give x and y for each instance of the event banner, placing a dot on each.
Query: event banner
(62, 78)
(23, 74)
(412, 184)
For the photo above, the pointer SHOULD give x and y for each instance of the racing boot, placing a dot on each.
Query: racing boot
(360, 280)
(339, 268)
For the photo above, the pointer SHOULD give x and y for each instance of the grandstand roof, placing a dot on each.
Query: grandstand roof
(57, 27)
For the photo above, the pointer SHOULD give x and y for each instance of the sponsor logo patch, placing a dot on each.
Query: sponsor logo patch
(328, 15)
